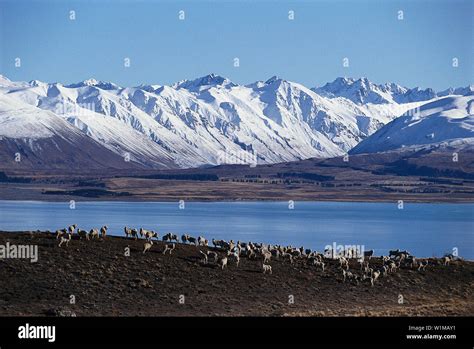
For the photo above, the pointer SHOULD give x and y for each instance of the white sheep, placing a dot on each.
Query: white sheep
(251, 253)
(393, 266)
(142, 232)
(169, 247)
(71, 228)
(346, 274)
(131, 232)
(93, 233)
(275, 252)
(223, 262)
(220, 244)
(288, 256)
(375, 276)
(202, 241)
(147, 246)
(127, 232)
(446, 260)
(82, 234)
(148, 234)
(411, 260)
(65, 238)
(422, 265)
(266, 256)
(267, 268)
(170, 237)
(60, 233)
(213, 255)
(295, 253)
(343, 263)
(103, 231)
(204, 257)
(235, 257)
(362, 263)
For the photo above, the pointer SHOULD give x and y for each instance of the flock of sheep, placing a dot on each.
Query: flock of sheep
(223, 253)
(65, 235)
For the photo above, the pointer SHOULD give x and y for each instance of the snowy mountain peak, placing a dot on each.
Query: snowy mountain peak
(150, 88)
(360, 91)
(90, 82)
(36, 83)
(460, 91)
(4, 79)
(7, 83)
(211, 80)
(363, 82)
(393, 88)
(272, 80)
(103, 85)
(416, 95)
(338, 84)
(363, 91)
(342, 84)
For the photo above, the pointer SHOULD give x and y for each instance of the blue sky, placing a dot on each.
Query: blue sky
(416, 51)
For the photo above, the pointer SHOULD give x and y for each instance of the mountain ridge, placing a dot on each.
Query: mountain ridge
(448, 121)
(211, 120)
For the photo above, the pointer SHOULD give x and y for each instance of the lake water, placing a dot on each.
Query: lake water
(423, 229)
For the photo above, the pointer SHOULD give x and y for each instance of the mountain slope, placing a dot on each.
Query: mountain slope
(44, 141)
(447, 121)
(362, 91)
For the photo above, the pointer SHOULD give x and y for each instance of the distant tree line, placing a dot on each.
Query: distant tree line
(306, 175)
(7, 179)
(184, 176)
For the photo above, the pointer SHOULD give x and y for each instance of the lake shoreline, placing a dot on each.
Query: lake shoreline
(425, 229)
(158, 199)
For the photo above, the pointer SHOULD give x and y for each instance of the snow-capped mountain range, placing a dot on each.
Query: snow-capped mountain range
(446, 121)
(206, 121)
